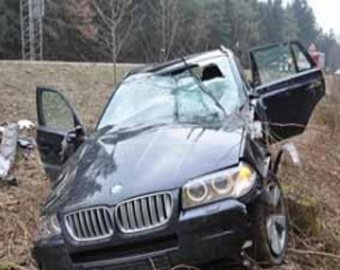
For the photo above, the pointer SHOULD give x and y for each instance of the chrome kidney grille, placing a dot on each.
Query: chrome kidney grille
(90, 224)
(144, 213)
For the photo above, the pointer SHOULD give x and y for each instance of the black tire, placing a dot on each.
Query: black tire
(262, 251)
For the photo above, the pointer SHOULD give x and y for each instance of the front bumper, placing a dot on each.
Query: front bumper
(198, 236)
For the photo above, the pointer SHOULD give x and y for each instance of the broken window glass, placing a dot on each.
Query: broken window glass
(203, 98)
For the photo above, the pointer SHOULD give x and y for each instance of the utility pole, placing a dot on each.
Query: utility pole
(31, 15)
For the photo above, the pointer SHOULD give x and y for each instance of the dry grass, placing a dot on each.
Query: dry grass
(86, 86)
(319, 180)
(89, 88)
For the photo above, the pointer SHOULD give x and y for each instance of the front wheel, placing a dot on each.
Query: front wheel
(270, 226)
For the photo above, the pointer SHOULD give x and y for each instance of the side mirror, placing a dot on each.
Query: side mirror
(73, 139)
(75, 134)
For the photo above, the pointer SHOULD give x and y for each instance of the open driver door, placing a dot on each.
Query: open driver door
(60, 131)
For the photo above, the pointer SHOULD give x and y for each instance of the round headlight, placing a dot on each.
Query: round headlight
(196, 191)
(223, 185)
(233, 182)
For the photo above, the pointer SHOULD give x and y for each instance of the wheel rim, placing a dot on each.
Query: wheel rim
(276, 223)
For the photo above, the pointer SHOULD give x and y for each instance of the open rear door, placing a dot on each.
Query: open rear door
(59, 132)
(289, 85)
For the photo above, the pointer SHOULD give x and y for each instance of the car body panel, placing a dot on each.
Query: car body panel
(133, 159)
(289, 107)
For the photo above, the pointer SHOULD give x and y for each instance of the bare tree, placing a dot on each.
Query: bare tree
(164, 17)
(114, 21)
(195, 37)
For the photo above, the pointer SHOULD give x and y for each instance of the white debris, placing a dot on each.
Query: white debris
(4, 167)
(256, 131)
(25, 124)
(290, 148)
(8, 148)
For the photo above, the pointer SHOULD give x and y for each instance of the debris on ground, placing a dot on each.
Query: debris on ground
(11, 136)
(8, 146)
(26, 124)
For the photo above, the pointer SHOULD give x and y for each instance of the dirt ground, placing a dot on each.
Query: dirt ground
(88, 88)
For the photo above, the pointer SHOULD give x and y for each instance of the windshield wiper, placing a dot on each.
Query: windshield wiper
(203, 87)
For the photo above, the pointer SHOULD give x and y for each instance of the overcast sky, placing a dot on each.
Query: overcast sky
(327, 13)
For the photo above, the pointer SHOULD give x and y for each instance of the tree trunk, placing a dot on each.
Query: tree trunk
(303, 214)
(114, 52)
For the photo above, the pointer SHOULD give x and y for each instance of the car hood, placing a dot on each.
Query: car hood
(113, 166)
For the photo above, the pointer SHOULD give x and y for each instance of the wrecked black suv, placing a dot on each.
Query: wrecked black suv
(178, 171)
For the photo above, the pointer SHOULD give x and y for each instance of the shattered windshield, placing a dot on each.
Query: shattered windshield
(205, 99)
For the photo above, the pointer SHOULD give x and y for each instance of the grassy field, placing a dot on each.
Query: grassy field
(88, 87)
